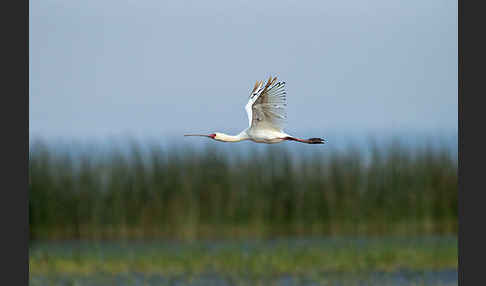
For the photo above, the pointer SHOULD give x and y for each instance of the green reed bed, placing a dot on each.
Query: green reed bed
(184, 193)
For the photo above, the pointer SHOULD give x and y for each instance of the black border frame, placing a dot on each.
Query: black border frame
(471, 238)
(15, 122)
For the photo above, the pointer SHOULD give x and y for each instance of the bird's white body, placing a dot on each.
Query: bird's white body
(266, 116)
(255, 135)
(268, 136)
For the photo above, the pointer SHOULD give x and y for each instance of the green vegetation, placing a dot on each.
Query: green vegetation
(331, 261)
(181, 216)
(254, 258)
(182, 193)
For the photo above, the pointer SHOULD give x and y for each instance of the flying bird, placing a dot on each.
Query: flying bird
(266, 116)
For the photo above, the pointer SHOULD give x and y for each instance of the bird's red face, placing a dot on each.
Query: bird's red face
(212, 136)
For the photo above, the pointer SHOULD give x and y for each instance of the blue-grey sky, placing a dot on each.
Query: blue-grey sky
(159, 69)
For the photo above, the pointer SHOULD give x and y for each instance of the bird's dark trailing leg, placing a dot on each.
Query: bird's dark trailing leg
(308, 141)
(316, 141)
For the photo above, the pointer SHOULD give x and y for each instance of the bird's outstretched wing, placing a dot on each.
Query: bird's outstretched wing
(267, 105)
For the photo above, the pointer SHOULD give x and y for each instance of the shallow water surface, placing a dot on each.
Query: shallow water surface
(282, 262)
(400, 278)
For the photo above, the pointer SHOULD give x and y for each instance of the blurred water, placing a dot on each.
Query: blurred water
(447, 277)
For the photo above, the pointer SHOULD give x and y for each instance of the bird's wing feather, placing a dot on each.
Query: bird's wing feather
(257, 89)
(267, 105)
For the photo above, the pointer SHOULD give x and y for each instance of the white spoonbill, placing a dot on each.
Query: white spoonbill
(266, 115)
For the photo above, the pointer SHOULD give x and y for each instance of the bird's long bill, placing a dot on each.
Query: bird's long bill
(203, 135)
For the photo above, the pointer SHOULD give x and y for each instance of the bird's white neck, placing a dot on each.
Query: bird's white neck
(231, 138)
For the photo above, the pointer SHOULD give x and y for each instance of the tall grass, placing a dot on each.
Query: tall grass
(183, 193)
